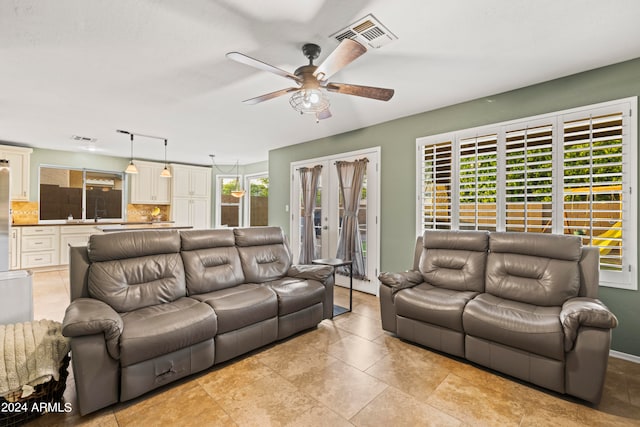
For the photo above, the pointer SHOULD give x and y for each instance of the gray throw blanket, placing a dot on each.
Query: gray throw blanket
(30, 354)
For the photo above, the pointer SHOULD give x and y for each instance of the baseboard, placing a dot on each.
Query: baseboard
(624, 356)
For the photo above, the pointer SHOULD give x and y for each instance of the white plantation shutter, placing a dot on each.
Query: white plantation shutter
(569, 172)
(478, 182)
(529, 179)
(593, 185)
(436, 185)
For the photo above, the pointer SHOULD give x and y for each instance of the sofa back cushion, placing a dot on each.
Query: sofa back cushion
(454, 259)
(132, 270)
(211, 260)
(539, 269)
(264, 253)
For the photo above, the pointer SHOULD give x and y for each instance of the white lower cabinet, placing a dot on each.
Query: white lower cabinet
(74, 235)
(39, 246)
(46, 246)
(191, 211)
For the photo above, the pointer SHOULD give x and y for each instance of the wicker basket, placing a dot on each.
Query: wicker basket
(49, 392)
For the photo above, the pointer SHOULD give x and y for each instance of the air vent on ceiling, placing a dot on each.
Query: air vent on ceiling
(83, 138)
(368, 31)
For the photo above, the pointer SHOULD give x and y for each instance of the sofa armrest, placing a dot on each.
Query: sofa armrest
(310, 272)
(399, 281)
(87, 316)
(582, 311)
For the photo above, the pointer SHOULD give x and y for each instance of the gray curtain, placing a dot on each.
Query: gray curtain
(351, 178)
(309, 183)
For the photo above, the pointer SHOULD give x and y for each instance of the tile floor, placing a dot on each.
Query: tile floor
(346, 372)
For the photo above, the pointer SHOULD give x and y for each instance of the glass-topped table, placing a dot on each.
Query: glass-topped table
(335, 263)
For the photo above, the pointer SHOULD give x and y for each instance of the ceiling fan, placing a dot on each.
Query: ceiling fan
(310, 96)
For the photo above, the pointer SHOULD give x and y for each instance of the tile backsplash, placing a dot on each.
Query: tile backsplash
(24, 212)
(143, 213)
(28, 213)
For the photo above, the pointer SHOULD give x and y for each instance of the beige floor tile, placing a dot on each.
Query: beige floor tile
(410, 373)
(271, 400)
(293, 359)
(357, 324)
(341, 387)
(476, 405)
(319, 416)
(184, 404)
(395, 408)
(232, 375)
(357, 352)
(323, 336)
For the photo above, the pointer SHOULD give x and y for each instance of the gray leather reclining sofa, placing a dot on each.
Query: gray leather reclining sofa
(520, 303)
(150, 307)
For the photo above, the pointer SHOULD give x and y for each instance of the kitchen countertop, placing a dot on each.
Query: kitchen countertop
(91, 222)
(142, 226)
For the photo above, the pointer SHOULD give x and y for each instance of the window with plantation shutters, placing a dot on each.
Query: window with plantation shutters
(569, 172)
(529, 179)
(478, 182)
(436, 186)
(593, 184)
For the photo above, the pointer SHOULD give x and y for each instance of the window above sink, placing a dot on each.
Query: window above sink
(80, 194)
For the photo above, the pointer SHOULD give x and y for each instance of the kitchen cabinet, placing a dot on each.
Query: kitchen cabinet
(74, 235)
(19, 161)
(191, 202)
(39, 246)
(148, 187)
(191, 181)
(194, 211)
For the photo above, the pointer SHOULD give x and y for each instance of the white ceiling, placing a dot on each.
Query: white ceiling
(158, 67)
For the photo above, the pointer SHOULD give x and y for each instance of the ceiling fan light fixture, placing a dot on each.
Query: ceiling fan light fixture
(309, 101)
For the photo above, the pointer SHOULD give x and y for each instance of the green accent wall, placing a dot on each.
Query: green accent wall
(397, 140)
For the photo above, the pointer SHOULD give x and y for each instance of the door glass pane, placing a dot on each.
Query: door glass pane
(317, 220)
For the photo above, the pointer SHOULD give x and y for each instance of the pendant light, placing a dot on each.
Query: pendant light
(131, 168)
(238, 192)
(166, 173)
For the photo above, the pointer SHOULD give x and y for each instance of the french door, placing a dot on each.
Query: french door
(327, 217)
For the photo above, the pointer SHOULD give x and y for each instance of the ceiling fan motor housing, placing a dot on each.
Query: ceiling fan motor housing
(311, 51)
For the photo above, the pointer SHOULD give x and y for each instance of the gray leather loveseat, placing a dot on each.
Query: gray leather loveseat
(520, 303)
(150, 307)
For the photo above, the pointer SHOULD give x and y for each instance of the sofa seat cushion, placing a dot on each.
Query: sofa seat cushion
(160, 329)
(431, 304)
(241, 305)
(296, 294)
(515, 324)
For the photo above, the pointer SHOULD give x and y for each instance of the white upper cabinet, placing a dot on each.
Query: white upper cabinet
(148, 187)
(19, 159)
(191, 196)
(191, 181)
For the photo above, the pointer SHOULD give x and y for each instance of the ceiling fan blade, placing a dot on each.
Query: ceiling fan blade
(378, 93)
(252, 62)
(268, 96)
(324, 114)
(347, 51)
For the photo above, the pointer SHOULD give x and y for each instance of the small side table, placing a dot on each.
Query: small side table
(337, 262)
